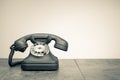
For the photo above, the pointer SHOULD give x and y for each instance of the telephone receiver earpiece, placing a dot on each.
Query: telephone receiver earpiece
(21, 45)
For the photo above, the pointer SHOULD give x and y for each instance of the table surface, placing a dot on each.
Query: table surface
(69, 69)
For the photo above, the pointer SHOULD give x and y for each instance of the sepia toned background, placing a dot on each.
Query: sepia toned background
(91, 27)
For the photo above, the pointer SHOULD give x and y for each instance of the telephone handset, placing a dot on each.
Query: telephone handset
(40, 57)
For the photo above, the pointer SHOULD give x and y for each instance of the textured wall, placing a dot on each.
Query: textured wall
(92, 27)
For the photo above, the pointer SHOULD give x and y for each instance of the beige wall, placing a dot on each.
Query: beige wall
(92, 27)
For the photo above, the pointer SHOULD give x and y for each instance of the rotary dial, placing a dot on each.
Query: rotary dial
(39, 49)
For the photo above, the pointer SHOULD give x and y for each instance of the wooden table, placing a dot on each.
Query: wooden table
(69, 69)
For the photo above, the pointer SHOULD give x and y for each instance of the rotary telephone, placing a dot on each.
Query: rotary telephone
(40, 57)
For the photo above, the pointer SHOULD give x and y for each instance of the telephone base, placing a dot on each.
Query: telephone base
(39, 67)
(47, 63)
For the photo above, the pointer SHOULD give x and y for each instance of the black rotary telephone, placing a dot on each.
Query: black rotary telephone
(40, 57)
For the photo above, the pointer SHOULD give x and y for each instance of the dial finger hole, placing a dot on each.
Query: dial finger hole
(38, 52)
